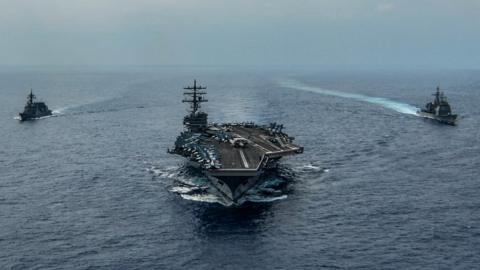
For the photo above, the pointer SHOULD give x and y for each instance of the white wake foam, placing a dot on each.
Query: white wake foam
(263, 199)
(206, 197)
(182, 190)
(310, 168)
(59, 111)
(168, 172)
(37, 118)
(192, 189)
(384, 102)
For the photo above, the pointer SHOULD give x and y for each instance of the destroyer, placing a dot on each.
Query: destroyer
(439, 110)
(34, 110)
(232, 155)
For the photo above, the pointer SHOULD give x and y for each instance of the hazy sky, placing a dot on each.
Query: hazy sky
(323, 33)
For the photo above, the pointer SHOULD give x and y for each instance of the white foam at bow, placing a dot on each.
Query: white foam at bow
(209, 198)
(260, 199)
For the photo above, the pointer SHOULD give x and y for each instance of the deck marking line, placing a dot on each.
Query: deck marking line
(242, 155)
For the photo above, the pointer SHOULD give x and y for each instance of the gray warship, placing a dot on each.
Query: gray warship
(33, 109)
(233, 156)
(439, 109)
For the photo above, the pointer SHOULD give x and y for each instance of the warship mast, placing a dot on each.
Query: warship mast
(437, 96)
(31, 97)
(196, 120)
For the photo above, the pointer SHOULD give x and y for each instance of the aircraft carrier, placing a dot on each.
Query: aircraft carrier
(233, 156)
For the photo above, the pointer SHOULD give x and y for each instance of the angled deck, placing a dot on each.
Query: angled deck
(260, 144)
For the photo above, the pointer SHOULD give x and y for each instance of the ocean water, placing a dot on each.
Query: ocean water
(377, 188)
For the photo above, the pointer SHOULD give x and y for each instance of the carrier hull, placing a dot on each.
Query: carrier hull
(233, 188)
(234, 183)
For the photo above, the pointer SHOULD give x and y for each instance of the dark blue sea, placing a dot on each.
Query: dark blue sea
(377, 188)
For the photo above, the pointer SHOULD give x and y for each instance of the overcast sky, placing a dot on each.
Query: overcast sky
(335, 33)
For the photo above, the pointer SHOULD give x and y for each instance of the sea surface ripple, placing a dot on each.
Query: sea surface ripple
(377, 187)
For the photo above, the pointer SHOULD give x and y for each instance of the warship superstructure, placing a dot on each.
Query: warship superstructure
(33, 109)
(439, 109)
(233, 156)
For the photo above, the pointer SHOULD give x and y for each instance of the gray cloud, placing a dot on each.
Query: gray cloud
(343, 34)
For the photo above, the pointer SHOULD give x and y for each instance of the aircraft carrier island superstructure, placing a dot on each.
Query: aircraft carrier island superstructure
(232, 155)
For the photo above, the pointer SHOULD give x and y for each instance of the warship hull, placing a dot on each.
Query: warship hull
(26, 117)
(447, 120)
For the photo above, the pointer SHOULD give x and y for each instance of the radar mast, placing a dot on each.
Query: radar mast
(31, 97)
(196, 121)
(194, 96)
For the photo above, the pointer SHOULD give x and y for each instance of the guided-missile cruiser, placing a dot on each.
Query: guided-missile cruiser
(439, 109)
(233, 156)
(33, 109)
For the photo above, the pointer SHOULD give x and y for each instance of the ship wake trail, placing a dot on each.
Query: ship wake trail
(384, 102)
(60, 111)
